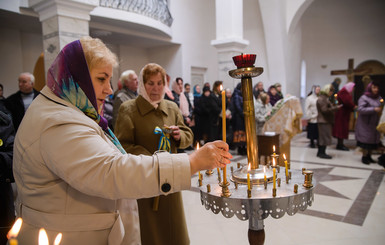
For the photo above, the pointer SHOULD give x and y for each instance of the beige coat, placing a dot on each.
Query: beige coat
(69, 175)
(135, 126)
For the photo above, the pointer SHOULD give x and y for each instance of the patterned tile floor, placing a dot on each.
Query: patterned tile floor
(349, 205)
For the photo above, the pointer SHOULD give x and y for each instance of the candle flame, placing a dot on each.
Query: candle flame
(197, 145)
(221, 87)
(284, 156)
(248, 167)
(273, 148)
(381, 100)
(335, 95)
(58, 239)
(15, 229)
(264, 170)
(43, 238)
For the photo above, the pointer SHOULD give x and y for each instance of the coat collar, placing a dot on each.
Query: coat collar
(46, 92)
(144, 107)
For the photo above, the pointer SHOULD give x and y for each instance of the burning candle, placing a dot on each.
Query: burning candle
(224, 127)
(248, 178)
(274, 163)
(12, 234)
(286, 168)
(274, 180)
(58, 239)
(43, 238)
(274, 149)
(264, 173)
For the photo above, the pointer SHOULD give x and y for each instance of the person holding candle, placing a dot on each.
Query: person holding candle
(70, 170)
(369, 107)
(134, 128)
(342, 116)
(325, 120)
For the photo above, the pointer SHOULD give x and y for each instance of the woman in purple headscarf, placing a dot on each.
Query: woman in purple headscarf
(342, 116)
(369, 109)
(69, 168)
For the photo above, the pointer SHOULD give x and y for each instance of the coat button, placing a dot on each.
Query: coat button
(166, 187)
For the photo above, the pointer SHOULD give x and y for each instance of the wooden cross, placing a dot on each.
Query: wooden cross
(350, 72)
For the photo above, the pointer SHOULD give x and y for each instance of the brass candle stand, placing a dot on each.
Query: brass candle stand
(253, 196)
(257, 203)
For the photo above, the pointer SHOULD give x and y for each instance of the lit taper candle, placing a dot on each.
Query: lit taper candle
(224, 127)
(12, 234)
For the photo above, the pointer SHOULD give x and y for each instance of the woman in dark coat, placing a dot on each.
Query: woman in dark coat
(238, 120)
(325, 120)
(369, 108)
(7, 208)
(342, 117)
(208, 110)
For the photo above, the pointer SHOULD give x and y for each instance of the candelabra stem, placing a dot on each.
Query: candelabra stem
(256, 232)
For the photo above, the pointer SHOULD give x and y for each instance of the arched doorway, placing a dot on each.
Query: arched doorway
(376, 71)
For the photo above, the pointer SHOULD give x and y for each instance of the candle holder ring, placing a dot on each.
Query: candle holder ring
(256, 176)
(246, 72)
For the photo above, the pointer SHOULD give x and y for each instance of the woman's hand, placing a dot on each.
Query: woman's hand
(175, 132)
(211, 155)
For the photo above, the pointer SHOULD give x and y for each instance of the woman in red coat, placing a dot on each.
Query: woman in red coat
(342, 116)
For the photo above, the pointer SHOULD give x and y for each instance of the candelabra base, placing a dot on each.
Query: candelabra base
(257, 176)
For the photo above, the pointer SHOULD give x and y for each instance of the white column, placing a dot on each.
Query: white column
(229, 37)
(63, 21)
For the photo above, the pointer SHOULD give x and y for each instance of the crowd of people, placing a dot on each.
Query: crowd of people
(111, 157)
(329, 111)
(146, 115)
(80, 177)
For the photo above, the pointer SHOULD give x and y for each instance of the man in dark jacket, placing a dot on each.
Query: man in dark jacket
(19, 102)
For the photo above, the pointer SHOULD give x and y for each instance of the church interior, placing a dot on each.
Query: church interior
(298, 43)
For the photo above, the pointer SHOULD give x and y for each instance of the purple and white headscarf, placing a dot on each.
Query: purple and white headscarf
(69, 79)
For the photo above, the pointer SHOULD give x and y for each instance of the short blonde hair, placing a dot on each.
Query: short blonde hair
(97, 53)
(152, 69)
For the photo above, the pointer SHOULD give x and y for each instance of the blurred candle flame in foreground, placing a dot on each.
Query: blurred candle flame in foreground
(58, 239)
(43, 238)
(15, 229)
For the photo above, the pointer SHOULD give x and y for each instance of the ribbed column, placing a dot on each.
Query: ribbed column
(229, 37)
(63, 21)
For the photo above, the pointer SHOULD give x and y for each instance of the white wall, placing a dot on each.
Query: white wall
(194, 27)
(334, 31)
(20, 51)
(254, 33)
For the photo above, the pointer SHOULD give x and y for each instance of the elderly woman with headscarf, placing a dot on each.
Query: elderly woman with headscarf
(311, 114)
(262, 110)
(181, 100)
(369, 109)
(143, 126)
(325, 120)
(70, 170)
(342, 116)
